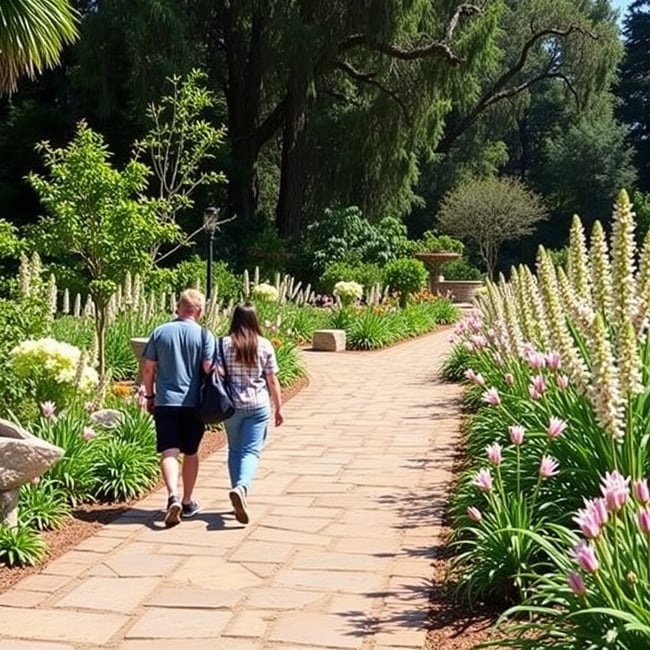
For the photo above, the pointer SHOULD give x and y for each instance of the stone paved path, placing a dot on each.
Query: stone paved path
(346, 512)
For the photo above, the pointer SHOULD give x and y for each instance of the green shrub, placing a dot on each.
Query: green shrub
(74, 472)
(406, 275)
(193, 272)
(123, 470)
(367, 275)
(370, 330)
(345, 235)
(432, 243)
(20, 546)
(43, 506)
(455, 363)
(460, 269)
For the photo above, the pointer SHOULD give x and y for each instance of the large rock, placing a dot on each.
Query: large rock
(328, 340)
(23, 456)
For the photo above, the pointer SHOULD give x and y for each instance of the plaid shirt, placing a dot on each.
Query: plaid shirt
(248, 383)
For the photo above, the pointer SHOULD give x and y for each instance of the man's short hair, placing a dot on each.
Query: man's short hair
(190, 301)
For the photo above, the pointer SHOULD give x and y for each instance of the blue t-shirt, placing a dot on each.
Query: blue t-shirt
(179, 349)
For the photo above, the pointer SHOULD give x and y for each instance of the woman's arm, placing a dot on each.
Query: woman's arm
(276, 396)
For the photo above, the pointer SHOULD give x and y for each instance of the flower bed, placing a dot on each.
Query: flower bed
(552, 513)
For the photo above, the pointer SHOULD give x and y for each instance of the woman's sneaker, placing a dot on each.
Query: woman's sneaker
(238, 499)
(190, 509)
(173, 514)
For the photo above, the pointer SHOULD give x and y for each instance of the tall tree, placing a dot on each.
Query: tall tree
(32, 36)
(634, 85)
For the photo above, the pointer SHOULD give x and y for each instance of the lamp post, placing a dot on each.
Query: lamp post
(210, 222)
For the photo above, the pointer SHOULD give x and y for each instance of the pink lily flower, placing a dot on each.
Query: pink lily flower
(556, 428)
(491, 396)
(516, 434)
(548, 467)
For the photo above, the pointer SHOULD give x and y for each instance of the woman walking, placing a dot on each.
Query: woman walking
(251, 367)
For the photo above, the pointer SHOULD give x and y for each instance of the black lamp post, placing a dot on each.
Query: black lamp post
(210, 222)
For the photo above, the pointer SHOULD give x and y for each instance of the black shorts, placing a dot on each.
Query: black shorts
(177, 427)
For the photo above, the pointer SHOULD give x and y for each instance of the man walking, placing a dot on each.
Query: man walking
(174, 358)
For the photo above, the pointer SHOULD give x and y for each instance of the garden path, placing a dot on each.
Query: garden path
(346, 515)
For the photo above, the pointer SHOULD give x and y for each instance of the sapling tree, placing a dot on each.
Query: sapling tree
(180, 145)
(99, 214)
(489, 212)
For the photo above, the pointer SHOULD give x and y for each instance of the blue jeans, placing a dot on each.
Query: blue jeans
(246, 432)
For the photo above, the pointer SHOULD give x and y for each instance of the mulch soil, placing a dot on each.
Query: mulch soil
(452, 624)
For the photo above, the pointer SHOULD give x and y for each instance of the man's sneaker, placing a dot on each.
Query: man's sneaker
(238, 499)
(173, 514)
(190, 509)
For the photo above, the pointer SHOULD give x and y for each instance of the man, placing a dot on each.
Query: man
(174, 357)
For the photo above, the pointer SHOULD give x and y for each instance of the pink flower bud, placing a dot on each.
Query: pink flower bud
(483, 480)
(539, 382)
(562, 382)
(36, 480)
(555, 428)
(88, 433)
(588, 521)
(548, 467)
(509, 378)
(491, 396)
(494, 453)
(615, 489)
(586, 557)
(474, 513)
(48, 409)
(641, 491)
(516, 434)
(553, 360)
(577, 584)
(533, 392)
(535, 360)
(644, 520)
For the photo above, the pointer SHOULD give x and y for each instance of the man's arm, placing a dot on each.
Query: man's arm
(148, 378)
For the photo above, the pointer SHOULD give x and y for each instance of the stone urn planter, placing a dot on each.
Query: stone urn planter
(460, 291)
(137, 345)
(434, 261)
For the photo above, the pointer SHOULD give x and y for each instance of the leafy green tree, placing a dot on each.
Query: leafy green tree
(489, 212)
(634, 85)
(32, 36)
(9, 241)
(98, 214)
(582, 166)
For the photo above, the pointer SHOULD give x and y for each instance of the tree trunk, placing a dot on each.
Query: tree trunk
(243, 97)
(288, 217)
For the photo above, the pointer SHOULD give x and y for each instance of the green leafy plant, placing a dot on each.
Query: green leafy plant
(74, 472)
(20, 546)
(405, 275)
(367, 275)
(100, 215)
(460, 269)
(123, 470)
(432, 243)
(370, 331)
(43, 506)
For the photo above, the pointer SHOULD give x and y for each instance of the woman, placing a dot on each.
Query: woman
(251, 367)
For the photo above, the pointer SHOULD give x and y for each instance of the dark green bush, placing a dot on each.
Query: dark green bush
(432, 243)
(367, 275)
(460, 269)
(406, 275)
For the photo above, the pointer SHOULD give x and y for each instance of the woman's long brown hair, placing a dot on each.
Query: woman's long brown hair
(244, 330)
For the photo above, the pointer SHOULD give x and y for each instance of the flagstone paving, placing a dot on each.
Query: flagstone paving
(346, 515)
